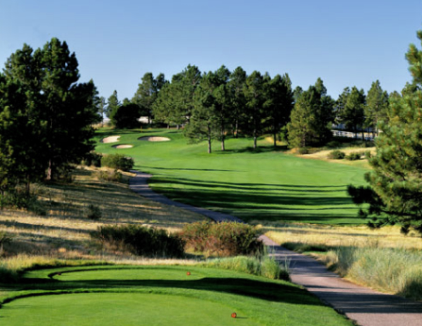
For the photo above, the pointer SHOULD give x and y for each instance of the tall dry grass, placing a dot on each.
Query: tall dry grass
(64, 231)
(383, 259)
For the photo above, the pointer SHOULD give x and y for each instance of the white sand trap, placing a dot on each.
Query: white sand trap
(111, 139)
(122, 146)
(154, 138)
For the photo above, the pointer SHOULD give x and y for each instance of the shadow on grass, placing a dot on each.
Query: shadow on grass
(269, 291)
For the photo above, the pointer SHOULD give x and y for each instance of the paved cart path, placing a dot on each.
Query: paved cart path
(365, 306)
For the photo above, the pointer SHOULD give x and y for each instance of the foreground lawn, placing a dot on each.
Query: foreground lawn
(266, 184)
(160, 295)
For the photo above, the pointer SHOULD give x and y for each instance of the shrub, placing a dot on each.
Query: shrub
(92, 159)
(113, 176)
(353, 156)
(222, 239)
(333, 144)
(93, 212)
(117, 161)
(368, 154)
(336, 155)
(18, 198)
(303, 150)
(266, 267)
(142, 241)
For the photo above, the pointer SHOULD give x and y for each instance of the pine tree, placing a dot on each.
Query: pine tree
(53, 106)
(376, 106)
(254, 111)
(396, 178)
(113, 104)
(353, 112)
(278, 104)
(236, 90)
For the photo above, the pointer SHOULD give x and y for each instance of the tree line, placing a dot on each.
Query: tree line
(215, 104)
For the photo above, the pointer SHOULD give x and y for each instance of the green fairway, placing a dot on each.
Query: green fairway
(160, 295)
(266, 184)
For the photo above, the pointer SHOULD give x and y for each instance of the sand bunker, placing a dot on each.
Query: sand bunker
(154, 138)
(111, 139)
(122, 146)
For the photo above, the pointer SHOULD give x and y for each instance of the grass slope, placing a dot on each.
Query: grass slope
(160, 295)
(266, 184)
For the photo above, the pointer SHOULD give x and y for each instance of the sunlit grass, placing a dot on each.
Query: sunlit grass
(267, 183)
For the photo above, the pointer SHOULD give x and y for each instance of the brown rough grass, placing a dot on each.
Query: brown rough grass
(336, 236)
(64, 231)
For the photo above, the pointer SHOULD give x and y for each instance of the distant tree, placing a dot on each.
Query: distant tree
(278, 103)
(254, 110)
(236, 86)
(222, 102)
(311, 117)
(353, 112)
(376, 106)
(203, 121)
(147, 93)
(324, 114)
(112, 107)
(339, 105)
(301, 120)
(101, 108)
(127, 116)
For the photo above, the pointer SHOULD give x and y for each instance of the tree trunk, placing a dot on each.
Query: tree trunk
(209, 140)
(168, 126)
(275, 137)
(222, 136)
(237, 127)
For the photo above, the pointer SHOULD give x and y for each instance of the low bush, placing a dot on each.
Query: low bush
(93, 212)
(142, 241)
(18, 198)
(266, 267)
(333, 144)
(353, 156)
(222, 239)
(368, 154)
(303, 150)
(336, 155)
(117, 161)
(92, 159)
(113, 176)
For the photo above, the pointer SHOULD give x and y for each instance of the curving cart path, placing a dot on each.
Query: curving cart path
(365, 306)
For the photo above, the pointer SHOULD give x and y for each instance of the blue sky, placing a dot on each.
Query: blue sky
(346, 43)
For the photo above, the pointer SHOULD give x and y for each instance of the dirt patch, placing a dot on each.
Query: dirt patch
(122, 146)
(154, 138)
(111, 139)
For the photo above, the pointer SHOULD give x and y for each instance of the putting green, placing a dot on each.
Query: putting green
(118, 309)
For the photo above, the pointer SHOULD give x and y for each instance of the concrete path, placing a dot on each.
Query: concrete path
(363, 305)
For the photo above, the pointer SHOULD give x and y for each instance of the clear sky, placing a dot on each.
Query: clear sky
(346, 43)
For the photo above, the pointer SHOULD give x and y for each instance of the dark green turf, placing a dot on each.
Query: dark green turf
(160, 295)
(265, 184)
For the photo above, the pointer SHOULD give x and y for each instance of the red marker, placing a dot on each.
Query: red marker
(234, 315)
(188, 273)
